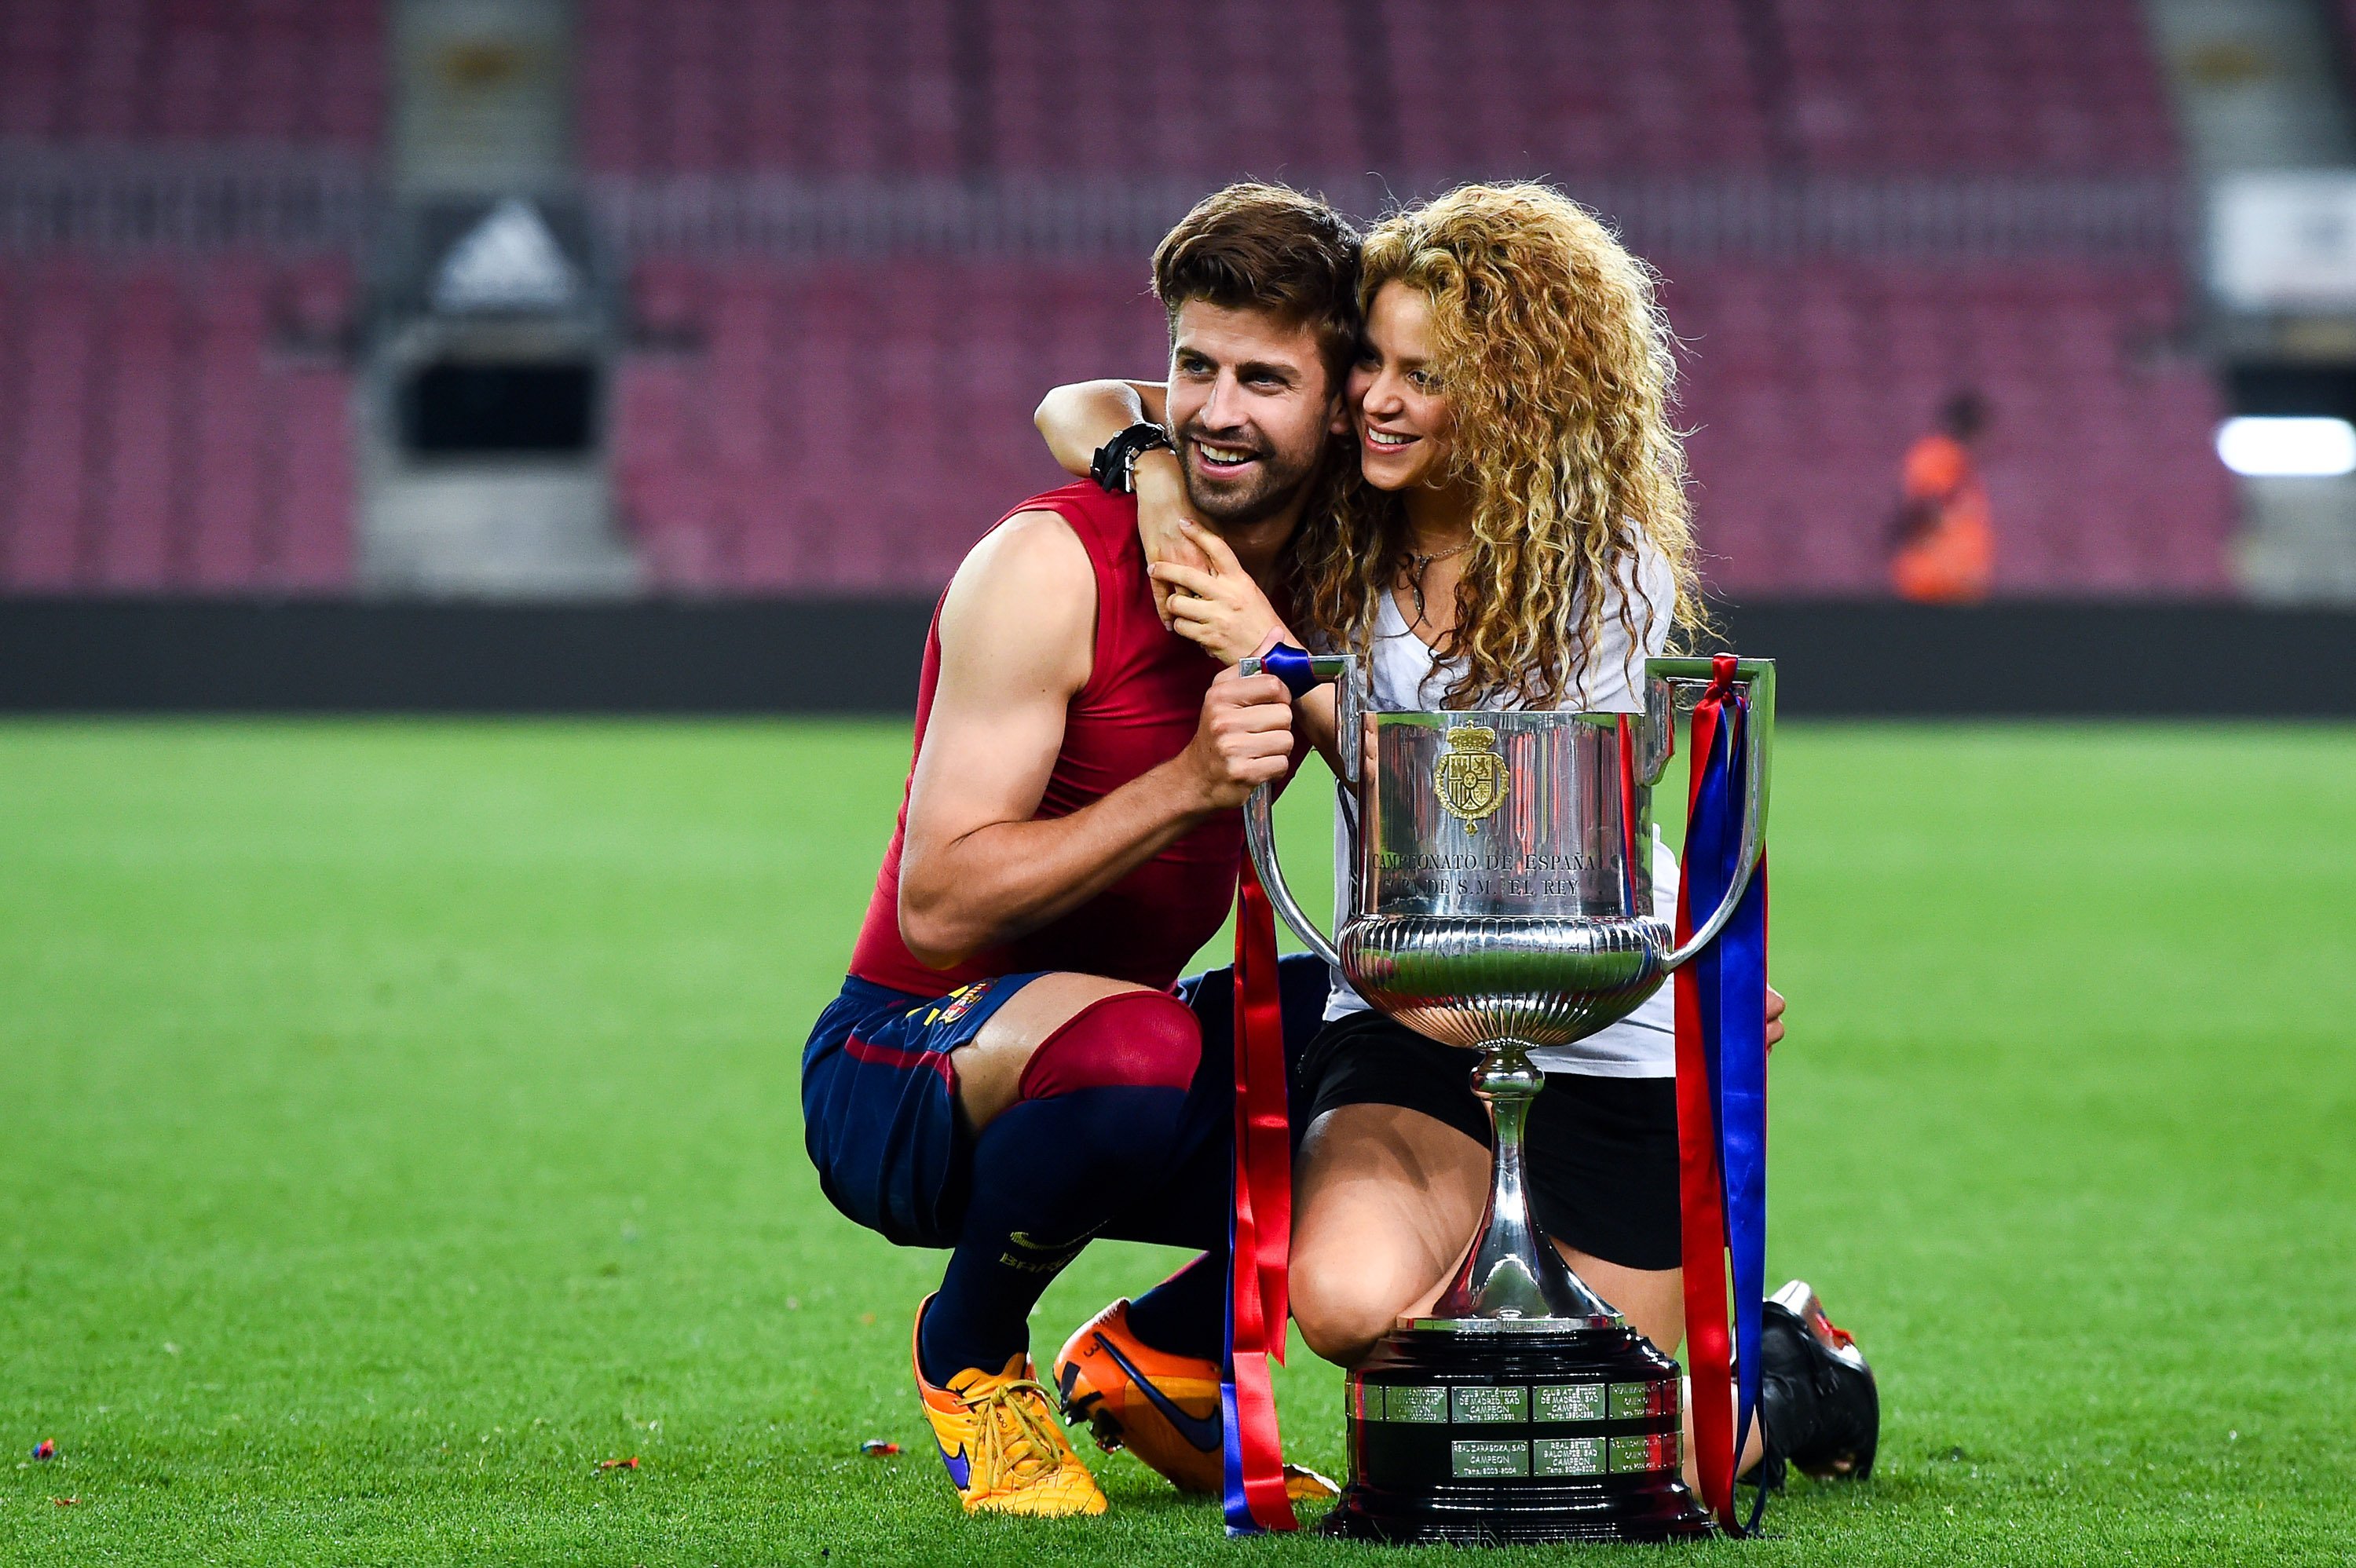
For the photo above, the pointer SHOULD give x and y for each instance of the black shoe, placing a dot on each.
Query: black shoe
(1818, 1408)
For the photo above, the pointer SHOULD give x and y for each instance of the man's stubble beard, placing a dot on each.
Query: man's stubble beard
(1277, 492)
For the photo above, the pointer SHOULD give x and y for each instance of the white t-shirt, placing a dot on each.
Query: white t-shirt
(1405, 678)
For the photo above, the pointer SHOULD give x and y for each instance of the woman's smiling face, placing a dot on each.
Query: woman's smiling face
(1396, 406)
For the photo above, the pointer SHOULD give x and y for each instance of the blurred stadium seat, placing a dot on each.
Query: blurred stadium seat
(1996, 84)
(193, 71)
(926, 87)
(157, 435)
(852, 428)
(844, 415)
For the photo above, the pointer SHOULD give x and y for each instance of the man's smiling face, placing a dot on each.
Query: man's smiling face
(1251, 406)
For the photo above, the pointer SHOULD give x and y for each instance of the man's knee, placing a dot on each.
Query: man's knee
(1131, 1039)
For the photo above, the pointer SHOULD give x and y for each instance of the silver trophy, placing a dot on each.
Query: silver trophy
(1503, 902)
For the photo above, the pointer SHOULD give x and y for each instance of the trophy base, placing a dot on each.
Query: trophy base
(1480, 1432)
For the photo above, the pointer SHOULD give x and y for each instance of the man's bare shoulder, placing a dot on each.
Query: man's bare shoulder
(1027, 588)
(1033, 550)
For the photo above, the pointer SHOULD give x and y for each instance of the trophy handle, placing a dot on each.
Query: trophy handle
(1260, 822)
(1671, 684)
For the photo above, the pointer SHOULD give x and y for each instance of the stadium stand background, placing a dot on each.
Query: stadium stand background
(854, 244)
(175, 366)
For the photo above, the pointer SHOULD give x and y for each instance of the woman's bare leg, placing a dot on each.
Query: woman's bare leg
(1654, 1302)
(1385, 1202)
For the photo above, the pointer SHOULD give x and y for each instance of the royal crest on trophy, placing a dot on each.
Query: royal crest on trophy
(1470, 778)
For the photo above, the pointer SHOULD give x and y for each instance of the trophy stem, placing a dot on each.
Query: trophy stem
(1514, 1271)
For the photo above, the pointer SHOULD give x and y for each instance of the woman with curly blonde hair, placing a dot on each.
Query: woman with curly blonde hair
(1508, 319)
(1514, 533)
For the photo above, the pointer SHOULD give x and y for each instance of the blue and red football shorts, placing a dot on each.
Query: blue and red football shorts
(880, 1119)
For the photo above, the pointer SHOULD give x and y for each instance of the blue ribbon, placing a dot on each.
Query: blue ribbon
(1237, 1511)
(1730, 979)
(1291, 665)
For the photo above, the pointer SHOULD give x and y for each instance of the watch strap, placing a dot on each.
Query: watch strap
(1114, 467)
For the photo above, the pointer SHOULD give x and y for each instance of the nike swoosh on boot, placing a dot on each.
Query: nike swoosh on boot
(960, 1471)
(1201, 1431)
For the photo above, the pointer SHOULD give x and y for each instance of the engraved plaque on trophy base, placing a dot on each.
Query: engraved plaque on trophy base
(1485, 1436)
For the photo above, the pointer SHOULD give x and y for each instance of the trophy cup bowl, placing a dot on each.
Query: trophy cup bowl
(1502, 901)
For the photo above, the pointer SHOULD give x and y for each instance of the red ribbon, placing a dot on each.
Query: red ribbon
(1262, 1233)
(1709, 1358)
(1635, 860)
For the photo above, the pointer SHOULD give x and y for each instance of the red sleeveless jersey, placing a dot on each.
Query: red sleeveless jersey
(1138, 708)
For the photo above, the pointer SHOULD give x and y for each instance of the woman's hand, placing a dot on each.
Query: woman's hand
(1218, 606)
(1774, 1016)
(1162, 518)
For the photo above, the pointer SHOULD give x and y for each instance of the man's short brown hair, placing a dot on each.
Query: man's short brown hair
(1266, 247)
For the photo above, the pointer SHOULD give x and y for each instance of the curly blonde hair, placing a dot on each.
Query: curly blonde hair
(1557, 365)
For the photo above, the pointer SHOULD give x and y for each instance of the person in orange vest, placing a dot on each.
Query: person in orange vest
(1944, 548)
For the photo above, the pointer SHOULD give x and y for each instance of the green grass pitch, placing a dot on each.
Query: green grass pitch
(397, 1120)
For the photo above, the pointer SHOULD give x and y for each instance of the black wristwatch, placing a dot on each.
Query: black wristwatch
(1114, 467)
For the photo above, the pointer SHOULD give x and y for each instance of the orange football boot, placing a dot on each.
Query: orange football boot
(1000, 1442)
(1162, 1408)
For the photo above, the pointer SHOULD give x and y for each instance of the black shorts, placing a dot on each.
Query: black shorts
(1601, 1152)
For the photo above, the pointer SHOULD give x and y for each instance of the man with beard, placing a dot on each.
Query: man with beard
(1008, 1071)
